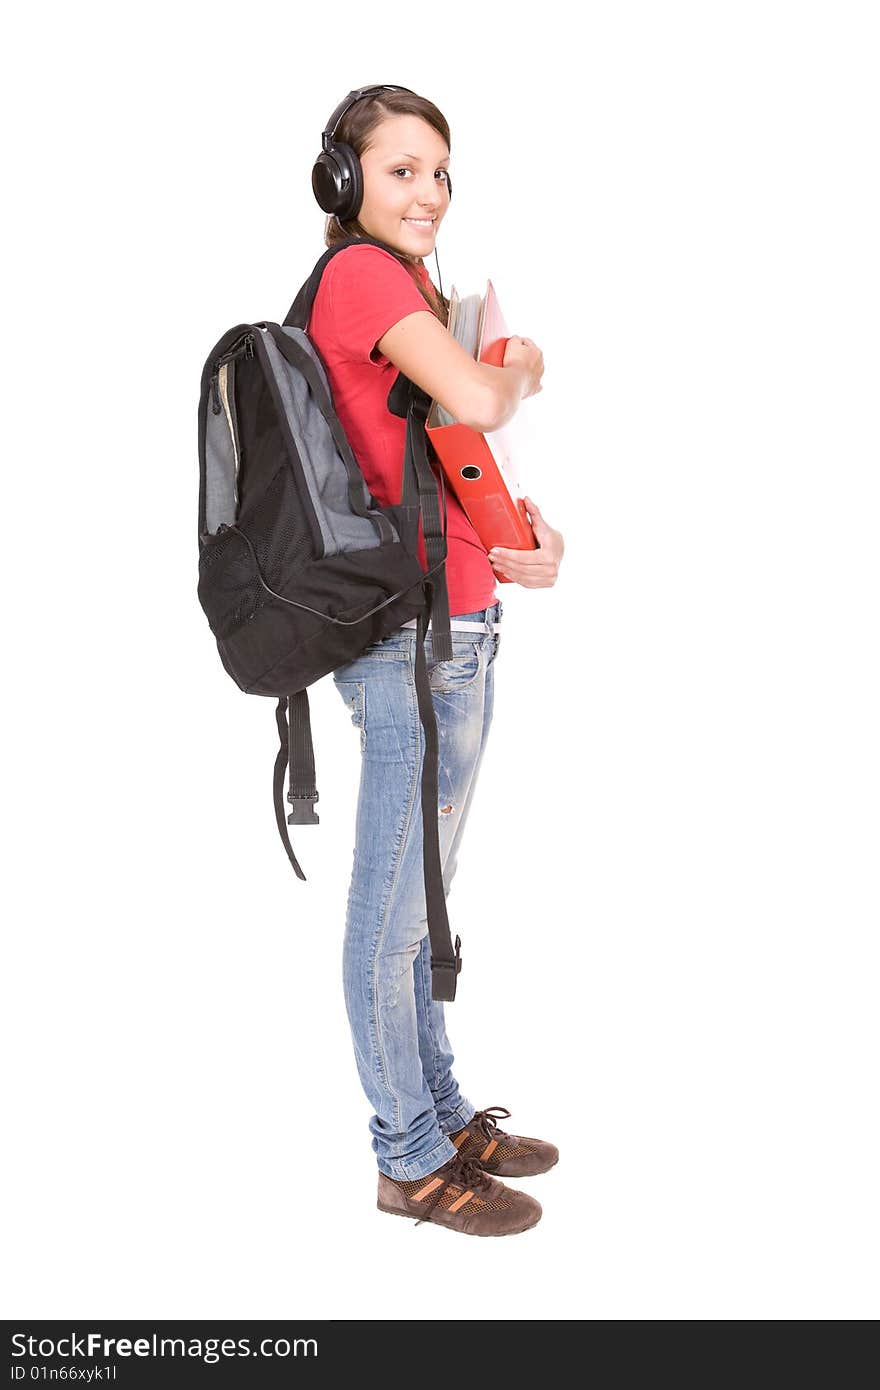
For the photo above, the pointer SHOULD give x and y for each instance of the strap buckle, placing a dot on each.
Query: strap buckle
(303, 812)
(444, 974)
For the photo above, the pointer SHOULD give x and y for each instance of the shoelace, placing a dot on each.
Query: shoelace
(465, 1173)
(486, 1120)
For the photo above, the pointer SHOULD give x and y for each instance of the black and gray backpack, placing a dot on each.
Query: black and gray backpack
(300, 568)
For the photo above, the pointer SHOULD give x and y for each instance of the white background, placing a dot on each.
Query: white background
(668, 894)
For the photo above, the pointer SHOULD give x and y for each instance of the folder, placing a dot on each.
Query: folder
(482, 469)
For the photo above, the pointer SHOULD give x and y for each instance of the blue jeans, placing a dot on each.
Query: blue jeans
(399, 1032)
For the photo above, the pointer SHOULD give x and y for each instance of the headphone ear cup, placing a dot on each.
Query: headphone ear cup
(326, 182)
(337, 181)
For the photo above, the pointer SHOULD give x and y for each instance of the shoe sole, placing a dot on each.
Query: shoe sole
(515, 1231)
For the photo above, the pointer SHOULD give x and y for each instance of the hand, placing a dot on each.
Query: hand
(534, 569)
(522, 352)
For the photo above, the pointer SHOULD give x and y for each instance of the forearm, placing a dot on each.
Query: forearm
(505, 387)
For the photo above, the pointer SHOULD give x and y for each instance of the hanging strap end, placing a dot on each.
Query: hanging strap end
(441, 645)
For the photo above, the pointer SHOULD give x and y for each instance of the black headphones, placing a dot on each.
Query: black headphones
(337, 177)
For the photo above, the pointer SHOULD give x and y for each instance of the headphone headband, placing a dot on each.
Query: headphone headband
(355, 96)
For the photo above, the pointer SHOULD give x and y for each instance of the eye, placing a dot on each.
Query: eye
(404, 170)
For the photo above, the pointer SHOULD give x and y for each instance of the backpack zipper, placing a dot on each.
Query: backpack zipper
(223, 402)
(243, 348)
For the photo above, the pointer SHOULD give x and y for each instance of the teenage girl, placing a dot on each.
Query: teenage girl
(439, 1158)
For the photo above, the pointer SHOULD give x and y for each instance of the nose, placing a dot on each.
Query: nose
(429, 199)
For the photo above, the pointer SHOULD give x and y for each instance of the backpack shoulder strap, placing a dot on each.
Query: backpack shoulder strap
(301, 308)
(420, 487)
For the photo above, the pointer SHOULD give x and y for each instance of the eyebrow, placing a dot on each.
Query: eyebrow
(444, 160)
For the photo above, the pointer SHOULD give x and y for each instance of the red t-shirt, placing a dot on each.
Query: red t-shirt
(363, 292)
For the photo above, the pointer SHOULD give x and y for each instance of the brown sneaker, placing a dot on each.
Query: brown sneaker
(509, 1155)
(461, 1196)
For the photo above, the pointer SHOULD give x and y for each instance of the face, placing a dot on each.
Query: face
(405, 168)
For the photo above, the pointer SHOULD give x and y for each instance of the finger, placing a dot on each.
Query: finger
(506, 555)
(533, 563)
(527, 557)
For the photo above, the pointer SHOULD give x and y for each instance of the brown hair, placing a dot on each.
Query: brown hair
(355, 129)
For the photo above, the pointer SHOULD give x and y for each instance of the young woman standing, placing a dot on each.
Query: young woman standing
(439, 1158)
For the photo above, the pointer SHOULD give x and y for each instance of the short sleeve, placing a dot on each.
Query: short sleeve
(368, 291)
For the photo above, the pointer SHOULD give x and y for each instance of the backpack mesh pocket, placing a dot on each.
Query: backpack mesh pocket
(229, 587)
(279, 530)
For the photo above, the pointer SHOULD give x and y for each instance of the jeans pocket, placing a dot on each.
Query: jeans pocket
(463, 669)
(354, 695)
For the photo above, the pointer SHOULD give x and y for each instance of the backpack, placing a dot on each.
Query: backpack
(300, 568)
